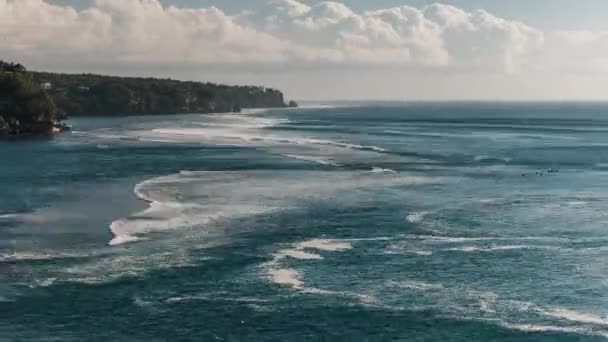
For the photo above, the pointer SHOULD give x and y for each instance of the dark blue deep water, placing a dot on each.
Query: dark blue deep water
(420, 222)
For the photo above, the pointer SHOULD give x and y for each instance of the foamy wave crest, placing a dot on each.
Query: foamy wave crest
(415, 285)
(231, 135)
(315, 159)
(41, 216)
(473, 249)
(539, 328)
(362, 298)
(298, 251)
(325, 245)
(473, 239)
(31, 256)
(576, 316)
(544, 328)
(416, 217)
(285, 276)
(193, 199)
(492, 159)
(382, 170)
(166, 213)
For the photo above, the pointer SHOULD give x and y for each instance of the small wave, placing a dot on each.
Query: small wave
(545, 328)
(363, 298)
(299, 254)
(492, 159)
(446, 239)
(285, 276)
(576, 203)
(311, 159)
(576, 316)
(213, 297)
(249, 111)
(298, 249)
(539, 328)
(457, 239)
(7, 216)
(322, 106)
(382, 170)
(415, 285)
(399, 249)
(417, 217)
(28, 256)
(326, 245)
(472, 249)
(232, 134)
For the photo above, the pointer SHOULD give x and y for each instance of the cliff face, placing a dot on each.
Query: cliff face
(85, 94)
(24, 107)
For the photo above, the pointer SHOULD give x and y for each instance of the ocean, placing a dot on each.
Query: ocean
(369, 222)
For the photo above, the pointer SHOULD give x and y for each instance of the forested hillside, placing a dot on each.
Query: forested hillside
(86, 95)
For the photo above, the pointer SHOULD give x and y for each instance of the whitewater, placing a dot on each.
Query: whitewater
(425, 221)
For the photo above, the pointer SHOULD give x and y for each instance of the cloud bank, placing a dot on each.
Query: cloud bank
(282, 32)
(426, 52)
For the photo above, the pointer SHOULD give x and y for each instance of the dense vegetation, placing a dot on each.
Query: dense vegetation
(24, 107)
(86, 94)
(30, 101)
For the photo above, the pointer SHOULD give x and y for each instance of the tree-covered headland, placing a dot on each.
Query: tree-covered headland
(25, 108)
(32, 102)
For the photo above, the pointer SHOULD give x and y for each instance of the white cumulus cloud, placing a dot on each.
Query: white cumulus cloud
(283, 32)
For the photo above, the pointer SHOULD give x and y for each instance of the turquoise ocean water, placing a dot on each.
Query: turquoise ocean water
(419, 222)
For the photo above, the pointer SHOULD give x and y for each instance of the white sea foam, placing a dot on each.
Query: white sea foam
(415, 285)
(576, 316)
(488, 158)
(540, 328)
(406, 249)
(213, 297)
(325, 245)
(362, 298)
(322, 106)
(298, 250)
(249, 111)
(166, 213)
(455, 239)
(299, 254)
(476, 249)
(382, 170)
(417, 217)
(471, 249)
(315, 159)
(535, 328)
(110, 267)
(32, 256)
(200, 199)
(7, 216)
(229, 134)
(285, 276)
(577, 203)
(445, 239)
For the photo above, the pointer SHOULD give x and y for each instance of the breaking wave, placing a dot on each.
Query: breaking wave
(193, 199)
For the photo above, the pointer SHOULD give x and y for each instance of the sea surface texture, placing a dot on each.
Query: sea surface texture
(419, 222)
